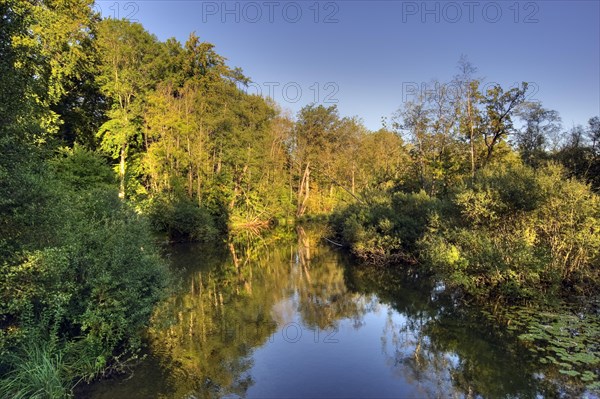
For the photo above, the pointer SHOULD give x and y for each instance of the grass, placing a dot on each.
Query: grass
(38, 372)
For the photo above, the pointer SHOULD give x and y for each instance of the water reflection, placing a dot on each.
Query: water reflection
(283, 317)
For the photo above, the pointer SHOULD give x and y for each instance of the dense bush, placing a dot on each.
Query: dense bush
(182, 219)
(389, 226)
(79, 169)
(512, 232)
(75, 306)
(521, 232)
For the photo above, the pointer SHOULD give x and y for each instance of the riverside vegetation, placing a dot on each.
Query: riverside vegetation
(110, 137)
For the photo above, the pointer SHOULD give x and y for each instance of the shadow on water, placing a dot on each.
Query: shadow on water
(287, 316)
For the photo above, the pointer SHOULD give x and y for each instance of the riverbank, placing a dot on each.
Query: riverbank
(514, 233)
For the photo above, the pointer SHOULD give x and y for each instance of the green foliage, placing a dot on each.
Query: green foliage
(90, 287)
(100, 283)
(182, 219)
(39, 373)
(81, 168)
(580, 152)
(513, 232)
(80, 273)
(501, 190)
(484, 262)
(124, 277)
(520, 232)
(388, 227)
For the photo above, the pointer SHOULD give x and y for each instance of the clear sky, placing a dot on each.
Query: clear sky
(369, 56)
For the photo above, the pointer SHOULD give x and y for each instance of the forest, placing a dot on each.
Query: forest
(114, 142)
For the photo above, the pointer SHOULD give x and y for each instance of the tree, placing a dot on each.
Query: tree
(128, 70)
(313, 135)
(43, 46)
(594, 134)
(413, 121)
(500, 108)
(383, 161)
(540, 125)
(79, 269)
(431, 123)
(206, 139)
(580, 152)
(467, 89)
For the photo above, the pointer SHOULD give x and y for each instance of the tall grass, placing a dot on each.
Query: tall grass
(36, 372)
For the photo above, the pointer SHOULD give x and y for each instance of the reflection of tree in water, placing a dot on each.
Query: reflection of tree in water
(232, 301)
(205, 334)
(209, 329)
(409, 354)
(444, 348)
(322, 296)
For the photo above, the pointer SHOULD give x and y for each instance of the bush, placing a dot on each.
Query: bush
(121, 276)
(99, 286)
(84, 296)
(80, 168)
(513, 232)
(568, 224)
(182, 219)
(387, 228)
(521, 232)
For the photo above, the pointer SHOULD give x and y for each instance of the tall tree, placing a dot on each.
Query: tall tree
(540, 125)
(313, 134)
(466, 88)
(500, 109)
(431, 125)
(128, 70)
(43, 46)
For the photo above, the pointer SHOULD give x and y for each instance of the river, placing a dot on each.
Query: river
(291, 316)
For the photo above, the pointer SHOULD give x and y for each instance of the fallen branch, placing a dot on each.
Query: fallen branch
(333, 242)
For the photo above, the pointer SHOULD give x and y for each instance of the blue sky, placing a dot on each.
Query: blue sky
(365, 55)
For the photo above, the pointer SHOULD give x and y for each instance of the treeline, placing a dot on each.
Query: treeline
(108, 134)
(495, 199)
(200, 155)
(190, 148)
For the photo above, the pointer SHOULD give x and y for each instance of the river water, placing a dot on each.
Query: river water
(291, 316)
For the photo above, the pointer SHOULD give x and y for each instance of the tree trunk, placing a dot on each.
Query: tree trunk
(237, 187)
(198, 186)
(471, 143)
(303, 191)
(353, 192)
(122, 171)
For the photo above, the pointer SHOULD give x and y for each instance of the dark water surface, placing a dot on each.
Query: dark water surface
(296, 318)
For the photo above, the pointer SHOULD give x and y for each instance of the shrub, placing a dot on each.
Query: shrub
(513, 232)
(521, 232)
(386, 228)
(80, 168)
(99, 286)
(74, 306)
(182, 219)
